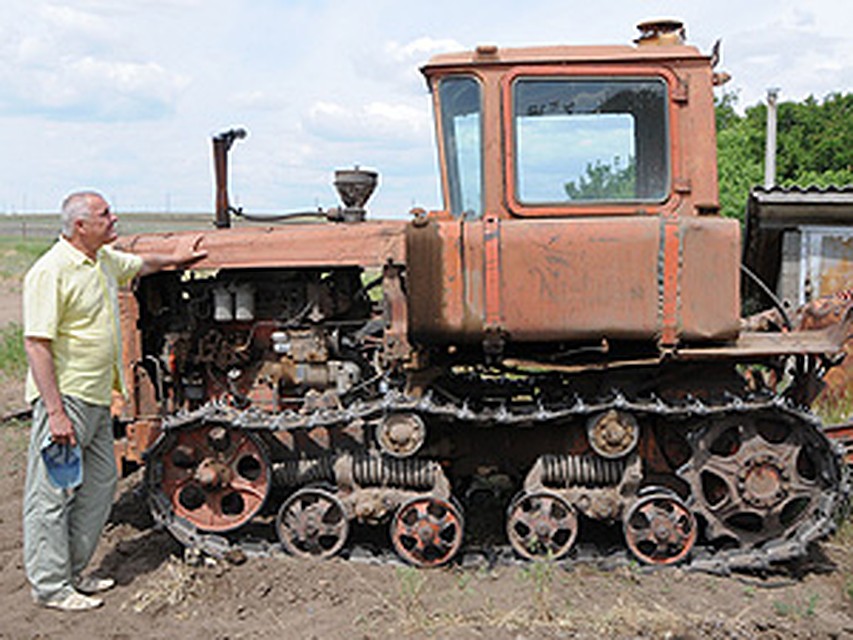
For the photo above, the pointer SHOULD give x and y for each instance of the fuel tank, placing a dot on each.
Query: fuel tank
(579, 279)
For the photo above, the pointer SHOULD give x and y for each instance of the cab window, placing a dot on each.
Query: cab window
(586, 140)
(460, 100)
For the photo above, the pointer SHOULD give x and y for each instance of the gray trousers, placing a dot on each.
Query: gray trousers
(62, 527)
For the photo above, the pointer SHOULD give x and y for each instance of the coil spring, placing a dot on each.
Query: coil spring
(410, 473)
(588, 471)
(291, 473)
(367, 471)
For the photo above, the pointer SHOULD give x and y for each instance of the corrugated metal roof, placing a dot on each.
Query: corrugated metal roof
(799, 193)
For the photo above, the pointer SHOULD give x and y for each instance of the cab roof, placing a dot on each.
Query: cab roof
(489, 55)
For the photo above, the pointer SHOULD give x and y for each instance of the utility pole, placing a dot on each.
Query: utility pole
(770, 146)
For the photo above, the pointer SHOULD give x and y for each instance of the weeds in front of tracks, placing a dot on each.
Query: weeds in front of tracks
(540, 575)
(798, 609)
(540, 600)
(168, 591)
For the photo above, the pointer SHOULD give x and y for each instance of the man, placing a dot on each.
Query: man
(72, 342)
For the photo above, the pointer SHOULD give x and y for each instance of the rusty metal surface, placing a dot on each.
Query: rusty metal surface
(577, 474)
(275, 377)
(577, 279)
(760, 345)
(692, 170)
(561, 54)
(370, 243)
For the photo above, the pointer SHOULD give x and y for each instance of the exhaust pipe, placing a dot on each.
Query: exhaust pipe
(221, 145)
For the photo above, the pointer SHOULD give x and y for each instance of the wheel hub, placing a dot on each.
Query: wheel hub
(427, 531)
(541, 524)
(312, 523)
(215, 478)
(762, 483)
(660, 529)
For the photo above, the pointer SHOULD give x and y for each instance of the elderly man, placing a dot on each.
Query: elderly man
(72, 342)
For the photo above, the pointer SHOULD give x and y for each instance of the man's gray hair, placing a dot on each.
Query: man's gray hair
(74, 207)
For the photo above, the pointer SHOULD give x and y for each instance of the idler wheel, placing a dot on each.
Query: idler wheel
(541, 524)
(216, 483)
(660, 529)
(613, 434)
(312, 523)
(427, 531)
(401, 434)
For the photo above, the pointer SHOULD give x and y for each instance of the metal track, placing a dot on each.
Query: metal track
(820, 523)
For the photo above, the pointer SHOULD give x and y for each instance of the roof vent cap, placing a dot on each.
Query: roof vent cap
(661, 32)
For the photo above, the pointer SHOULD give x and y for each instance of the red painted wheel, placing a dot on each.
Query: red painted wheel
(216, 478)
(312, 523)
(541, 524)
(660, 529)
(427, 532)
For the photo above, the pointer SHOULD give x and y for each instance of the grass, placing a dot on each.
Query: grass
(835, 407)
(17, 254)
(13, 360)
(166, 591)
(803, 609)
(540, 575)
(411, 582)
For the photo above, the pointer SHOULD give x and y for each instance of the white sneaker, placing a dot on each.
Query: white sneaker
(91, 585)
(71, 600)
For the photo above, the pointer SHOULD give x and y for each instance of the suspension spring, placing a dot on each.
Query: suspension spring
(292, 473)
(370, 470)
(588, 471)
(409, 473)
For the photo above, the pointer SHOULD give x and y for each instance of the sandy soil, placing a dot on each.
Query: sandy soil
(161, 596)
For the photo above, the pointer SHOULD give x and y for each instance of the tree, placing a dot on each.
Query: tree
(603, 181)
(814, 146)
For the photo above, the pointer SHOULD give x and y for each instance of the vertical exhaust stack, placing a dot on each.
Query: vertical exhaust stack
(221, 145)
(770, 144)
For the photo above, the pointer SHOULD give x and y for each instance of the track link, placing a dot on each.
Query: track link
(818, 523)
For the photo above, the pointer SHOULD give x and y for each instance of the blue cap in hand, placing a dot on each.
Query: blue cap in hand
(63, 462)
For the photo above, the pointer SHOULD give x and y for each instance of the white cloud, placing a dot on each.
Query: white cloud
(259, 100)
(123, 95)
(66, 65)
(67, 18)
(381, 123)
(419, 49)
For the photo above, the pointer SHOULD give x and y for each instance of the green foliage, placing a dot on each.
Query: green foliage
(805, 609)
(540, 574)
(605, 182)
(814, 146)
(411, 582)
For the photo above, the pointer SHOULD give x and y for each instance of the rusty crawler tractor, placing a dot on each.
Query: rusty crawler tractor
(562, 341)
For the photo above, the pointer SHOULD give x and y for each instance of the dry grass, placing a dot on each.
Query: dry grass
(172, 586)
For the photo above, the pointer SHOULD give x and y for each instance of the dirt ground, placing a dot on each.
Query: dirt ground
(161, 596)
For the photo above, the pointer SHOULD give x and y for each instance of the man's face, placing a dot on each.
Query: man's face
(100, 225)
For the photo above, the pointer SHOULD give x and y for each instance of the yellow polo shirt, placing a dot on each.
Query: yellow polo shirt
(72, 301)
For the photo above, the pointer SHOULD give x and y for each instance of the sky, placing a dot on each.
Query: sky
(123, 96)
